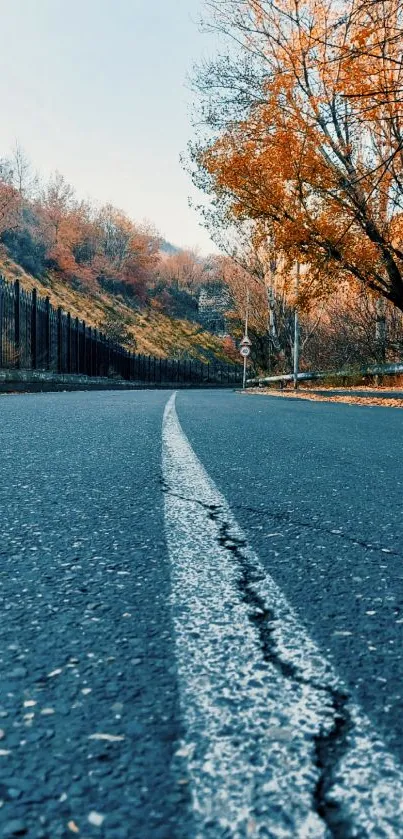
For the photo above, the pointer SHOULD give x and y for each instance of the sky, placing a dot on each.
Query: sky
(98, 89)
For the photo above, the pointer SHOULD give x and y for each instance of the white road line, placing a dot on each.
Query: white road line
(272, 746)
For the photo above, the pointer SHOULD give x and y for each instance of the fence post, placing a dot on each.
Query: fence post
(17, 322)
(1, 319)
(96, 339)
(77, 342)
(101, 353)
(108, 357)
(84, 350)
(34, 329)
(89, 331)
(47, 333)
(68, 342)
(59, 340)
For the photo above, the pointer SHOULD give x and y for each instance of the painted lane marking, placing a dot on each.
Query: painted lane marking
(274, 747)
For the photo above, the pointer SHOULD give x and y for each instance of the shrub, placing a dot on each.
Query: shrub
(28, 253)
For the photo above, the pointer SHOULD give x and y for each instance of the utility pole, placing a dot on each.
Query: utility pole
(380, 329)
(296, 333)
(380, 334)
(246, 336)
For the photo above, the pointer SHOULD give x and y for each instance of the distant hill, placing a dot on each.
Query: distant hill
(168, 248)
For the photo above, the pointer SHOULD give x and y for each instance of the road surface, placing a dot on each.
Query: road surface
(202, 617)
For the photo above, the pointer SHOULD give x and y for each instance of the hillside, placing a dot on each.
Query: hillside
(120, 276)
(145, 330)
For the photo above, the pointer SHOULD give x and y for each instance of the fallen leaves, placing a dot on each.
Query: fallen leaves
(350, 399)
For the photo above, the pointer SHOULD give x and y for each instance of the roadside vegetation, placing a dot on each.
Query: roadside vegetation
(115, 274)
(298, 150)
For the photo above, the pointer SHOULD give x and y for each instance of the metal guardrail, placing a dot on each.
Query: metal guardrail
(313, 375)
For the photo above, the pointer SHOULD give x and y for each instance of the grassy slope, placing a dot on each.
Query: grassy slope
(154, 333)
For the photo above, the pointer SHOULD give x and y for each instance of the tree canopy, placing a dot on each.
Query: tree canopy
(303, 137)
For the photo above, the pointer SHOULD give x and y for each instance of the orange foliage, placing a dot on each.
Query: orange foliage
(9, 206)
(316, 163)
(80, 242)
(183, 269)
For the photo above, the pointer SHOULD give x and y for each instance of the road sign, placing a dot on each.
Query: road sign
(245, 351)
(246, 342)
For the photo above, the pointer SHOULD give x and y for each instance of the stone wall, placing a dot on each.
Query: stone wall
(213, 306)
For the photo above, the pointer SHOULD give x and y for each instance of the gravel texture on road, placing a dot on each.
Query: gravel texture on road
(88, 701)
(275, 743)
(95, 703)
(318, 490)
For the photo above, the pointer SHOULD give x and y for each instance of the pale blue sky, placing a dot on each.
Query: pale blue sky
(98, 90)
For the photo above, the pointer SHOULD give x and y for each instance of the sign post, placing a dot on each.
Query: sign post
(246, 342)
(296, 332)
(245, 352)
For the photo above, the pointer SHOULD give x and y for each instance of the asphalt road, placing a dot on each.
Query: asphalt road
(106, 688)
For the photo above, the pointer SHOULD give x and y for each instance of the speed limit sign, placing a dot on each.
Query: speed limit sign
(245, 351)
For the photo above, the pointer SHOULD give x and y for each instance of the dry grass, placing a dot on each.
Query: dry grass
(153, 332)
(349, 399)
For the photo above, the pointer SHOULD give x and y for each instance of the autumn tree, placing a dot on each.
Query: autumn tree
(183, 269)
(10, 198)
(9, 206)
(127, 253)
(21, 174)
(59, 214)
(303, 136)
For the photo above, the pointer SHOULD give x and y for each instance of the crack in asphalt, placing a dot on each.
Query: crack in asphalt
(329, 746)
(287, 517)
(308, 525)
